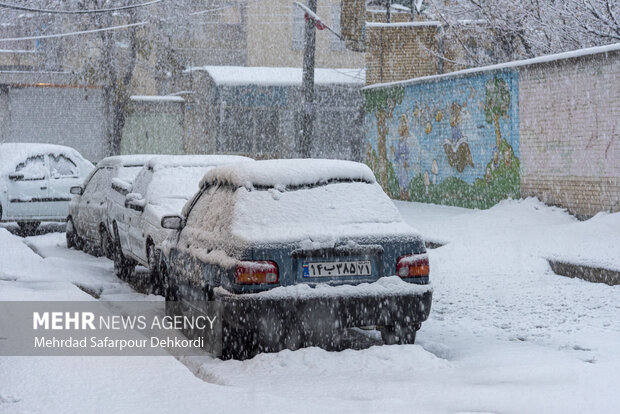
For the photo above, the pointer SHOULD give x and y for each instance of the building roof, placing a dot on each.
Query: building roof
(272, 76)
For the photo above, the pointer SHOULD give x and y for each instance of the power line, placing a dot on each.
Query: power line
(112, 9)
(73, 33)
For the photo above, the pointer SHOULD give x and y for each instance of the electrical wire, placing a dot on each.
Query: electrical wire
(111, 9)
(73, 33)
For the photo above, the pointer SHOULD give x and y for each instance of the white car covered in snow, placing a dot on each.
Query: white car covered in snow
(35, 180)
(87, 221)
(161, 188)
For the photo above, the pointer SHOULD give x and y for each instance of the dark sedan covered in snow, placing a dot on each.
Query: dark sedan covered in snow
(294, 252)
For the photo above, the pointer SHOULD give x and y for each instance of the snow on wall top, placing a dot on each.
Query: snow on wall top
(430, 23)
(508, 65)
(12, 153)
(243, 75)
(156, 98)
(167, 161)
(291, 172)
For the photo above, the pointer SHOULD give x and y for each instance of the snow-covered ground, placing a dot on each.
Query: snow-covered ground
(505, 334)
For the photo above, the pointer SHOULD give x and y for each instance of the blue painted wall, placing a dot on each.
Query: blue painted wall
(450, 141)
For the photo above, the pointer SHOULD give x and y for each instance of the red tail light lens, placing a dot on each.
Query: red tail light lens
(256, 272)
(412, 265)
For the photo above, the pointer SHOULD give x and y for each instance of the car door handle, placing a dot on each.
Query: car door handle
(43, 188)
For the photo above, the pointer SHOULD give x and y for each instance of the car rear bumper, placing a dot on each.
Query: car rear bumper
(310, 314)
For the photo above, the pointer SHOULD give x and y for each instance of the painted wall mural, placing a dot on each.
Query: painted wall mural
(454, 141)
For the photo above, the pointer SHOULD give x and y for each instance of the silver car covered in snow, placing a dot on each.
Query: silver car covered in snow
(162, 187)
(87, 221)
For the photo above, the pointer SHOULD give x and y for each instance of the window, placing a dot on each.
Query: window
(61, 166)
(336, 43)
(299, 28)
(96, 183)
(33, 168)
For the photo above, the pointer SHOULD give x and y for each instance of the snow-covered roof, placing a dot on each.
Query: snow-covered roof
(508, 65)
(156, 98)
(10, 153)
(126, 160)
(243, 75)
(291, 172)
(167, 161)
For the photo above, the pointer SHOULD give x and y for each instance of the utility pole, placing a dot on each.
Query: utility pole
(388, 11)
(307, 86)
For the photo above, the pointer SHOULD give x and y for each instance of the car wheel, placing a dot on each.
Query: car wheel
(393, 335)
(106, 244)
(70, 234)
(28, 228)
(168, 290)
(122, 267)
(154, 276)
(237, 343)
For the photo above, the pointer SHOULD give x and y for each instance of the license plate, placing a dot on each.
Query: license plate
(323, 269)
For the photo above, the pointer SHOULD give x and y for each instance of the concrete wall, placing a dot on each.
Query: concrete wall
(51, 110)
(545, 128)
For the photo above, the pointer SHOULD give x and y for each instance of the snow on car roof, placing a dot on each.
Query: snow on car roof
(167, 161)
(14, 152)
(126, 160)
(290, 172)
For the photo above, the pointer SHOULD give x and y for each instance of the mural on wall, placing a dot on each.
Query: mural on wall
(454, 141)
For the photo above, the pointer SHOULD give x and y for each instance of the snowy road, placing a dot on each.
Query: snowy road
(505, 334)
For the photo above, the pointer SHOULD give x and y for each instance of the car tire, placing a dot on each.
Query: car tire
(70, 234)
(393, 335)
(168, 290)
(152, 255)
(106, 244)
(28, 228)
(73, 240)
(123, 267)
(237, 343)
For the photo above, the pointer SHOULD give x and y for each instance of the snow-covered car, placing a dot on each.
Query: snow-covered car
(295, 251)
(35, 180)
(162, 187)
(87, 221)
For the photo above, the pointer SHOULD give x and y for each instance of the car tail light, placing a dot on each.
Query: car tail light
(412, 265)
(256, 272)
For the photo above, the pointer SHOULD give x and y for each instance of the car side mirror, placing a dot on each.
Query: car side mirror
(16, 176)
(77, 190)
(172, 222)
(135, 201)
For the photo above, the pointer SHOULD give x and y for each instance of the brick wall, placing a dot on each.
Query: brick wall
(570, 133)
(396, 53)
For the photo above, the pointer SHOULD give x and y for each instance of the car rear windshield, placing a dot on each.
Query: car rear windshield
(328, 210)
